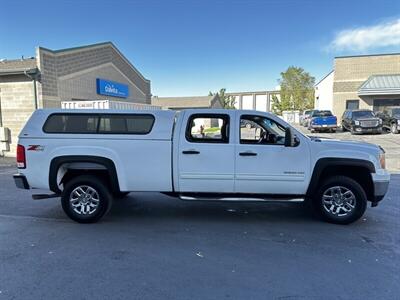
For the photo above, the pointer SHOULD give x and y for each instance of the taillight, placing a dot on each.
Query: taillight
(21, 159)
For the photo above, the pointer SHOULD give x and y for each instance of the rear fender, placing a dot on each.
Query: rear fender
(60, 165)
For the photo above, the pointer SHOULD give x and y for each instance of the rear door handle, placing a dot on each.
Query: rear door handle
(190, 152)
(248, 153)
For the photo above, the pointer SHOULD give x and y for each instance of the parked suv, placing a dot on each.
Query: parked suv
(390, 118)
(361, 121)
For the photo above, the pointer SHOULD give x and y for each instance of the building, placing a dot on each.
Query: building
(324, 93)
(179, 103)
(92, 72)
(260, 100)
(361, 82)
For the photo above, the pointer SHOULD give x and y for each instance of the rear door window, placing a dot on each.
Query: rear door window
(208, 128)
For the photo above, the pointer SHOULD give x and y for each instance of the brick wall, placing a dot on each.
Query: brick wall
(58, 82)
(352, 72)
(83, 85)
(17, 104)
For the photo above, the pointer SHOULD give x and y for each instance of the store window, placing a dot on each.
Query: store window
(381, 104)
(352, 104)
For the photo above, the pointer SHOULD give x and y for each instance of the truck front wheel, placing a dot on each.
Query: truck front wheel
(340, 200)
(86, 199)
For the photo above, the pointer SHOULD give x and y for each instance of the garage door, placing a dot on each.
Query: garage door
(381, 104)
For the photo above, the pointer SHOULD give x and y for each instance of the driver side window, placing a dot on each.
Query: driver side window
(261, 130)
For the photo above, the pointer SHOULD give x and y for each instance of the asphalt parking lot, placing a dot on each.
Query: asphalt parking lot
(388, 141)
(151, 246)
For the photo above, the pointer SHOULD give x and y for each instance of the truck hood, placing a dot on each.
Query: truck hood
(347, 145)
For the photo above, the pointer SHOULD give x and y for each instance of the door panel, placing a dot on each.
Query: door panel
(206, 154)
(269, 167)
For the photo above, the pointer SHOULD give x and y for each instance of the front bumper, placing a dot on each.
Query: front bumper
(381, 184)
(359, 129)
(21, 182)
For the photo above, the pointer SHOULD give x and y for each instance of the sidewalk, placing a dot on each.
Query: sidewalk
(7, 162)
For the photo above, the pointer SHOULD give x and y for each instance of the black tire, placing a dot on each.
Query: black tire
(352, 131)
(344, 128)
(104, 197)
(346, 183)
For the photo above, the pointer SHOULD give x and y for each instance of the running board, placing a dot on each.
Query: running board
(44, 196)
(242, 199)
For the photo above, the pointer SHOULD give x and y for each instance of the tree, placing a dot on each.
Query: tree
(227, 101)
(297, 91)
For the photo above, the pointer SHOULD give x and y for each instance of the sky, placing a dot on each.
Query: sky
(191, 47)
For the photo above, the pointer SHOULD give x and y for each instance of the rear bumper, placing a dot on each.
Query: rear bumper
(21, 182)
(324, 126)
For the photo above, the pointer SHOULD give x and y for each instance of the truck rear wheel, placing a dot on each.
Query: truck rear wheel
(340, 200)
(86, 199)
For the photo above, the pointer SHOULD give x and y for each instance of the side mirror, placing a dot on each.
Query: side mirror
(289, 137)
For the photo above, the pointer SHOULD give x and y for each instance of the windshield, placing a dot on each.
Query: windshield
(396, 111)
(322, 113)
(363, 114)
(308, 112)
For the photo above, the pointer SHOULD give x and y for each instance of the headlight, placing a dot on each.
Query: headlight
(380, 121)
(357, 122)
(398, 122)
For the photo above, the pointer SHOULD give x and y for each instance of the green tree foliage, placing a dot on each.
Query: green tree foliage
(228, 102)
(297, 91)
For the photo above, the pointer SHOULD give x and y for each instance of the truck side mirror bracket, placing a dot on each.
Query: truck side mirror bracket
(289, 138)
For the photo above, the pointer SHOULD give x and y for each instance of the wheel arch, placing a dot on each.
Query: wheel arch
(78, 164)
(357, 169)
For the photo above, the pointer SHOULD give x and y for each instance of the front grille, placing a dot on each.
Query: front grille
(371, 123)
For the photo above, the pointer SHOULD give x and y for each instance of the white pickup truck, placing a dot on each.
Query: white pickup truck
(89, 157)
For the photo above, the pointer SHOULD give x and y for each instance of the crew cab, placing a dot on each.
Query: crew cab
(90, 157)
(361, 121)
(322, 120)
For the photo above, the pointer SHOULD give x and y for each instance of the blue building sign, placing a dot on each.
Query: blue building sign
(111, 88)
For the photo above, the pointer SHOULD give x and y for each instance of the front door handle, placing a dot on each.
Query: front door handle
(248, 153)
(190, 152)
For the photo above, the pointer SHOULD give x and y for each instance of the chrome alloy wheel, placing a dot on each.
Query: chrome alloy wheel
(338, 201)
(84, 200)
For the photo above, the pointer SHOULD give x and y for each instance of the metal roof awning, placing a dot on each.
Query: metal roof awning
(380, 85)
